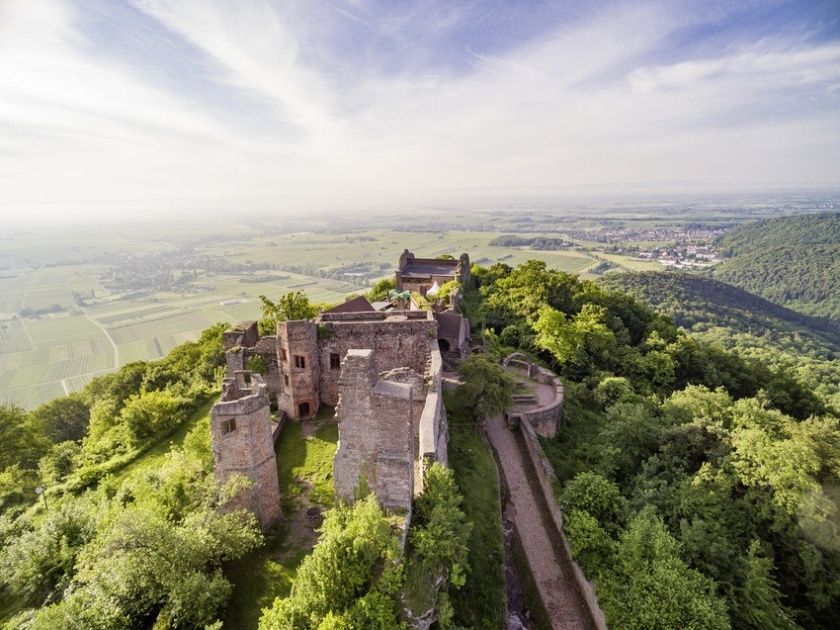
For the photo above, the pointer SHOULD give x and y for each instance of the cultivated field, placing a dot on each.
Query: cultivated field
(49, 354)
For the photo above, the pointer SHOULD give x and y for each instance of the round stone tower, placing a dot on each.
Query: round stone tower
(243, 444)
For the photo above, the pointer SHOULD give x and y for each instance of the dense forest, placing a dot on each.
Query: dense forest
(700, 487)
(750, 326)
(791, 260)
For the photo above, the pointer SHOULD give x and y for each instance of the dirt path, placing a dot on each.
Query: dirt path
(556, 585)
(109, 337)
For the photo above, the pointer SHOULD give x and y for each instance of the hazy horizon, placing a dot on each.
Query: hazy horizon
(180, 108)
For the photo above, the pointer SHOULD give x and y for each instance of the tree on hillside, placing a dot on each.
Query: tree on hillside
(381, 288)
(20, 442)
(291, 306)
(62, 419)
(651, 586)
(488, 387)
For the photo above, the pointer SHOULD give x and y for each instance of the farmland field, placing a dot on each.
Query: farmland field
(71, 312)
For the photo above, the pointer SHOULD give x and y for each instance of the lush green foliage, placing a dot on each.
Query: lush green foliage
(699, 486)
(291, 306)
(791, 260)
(357, 575)
(488, 388)
(438, 547)
(350, 579)
(145, 551)
(792, 346)
(381, 289)
(481, 601)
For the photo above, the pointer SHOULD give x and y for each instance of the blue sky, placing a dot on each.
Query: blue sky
(179, 105)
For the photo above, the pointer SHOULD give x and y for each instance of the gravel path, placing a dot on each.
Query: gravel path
(556, 585)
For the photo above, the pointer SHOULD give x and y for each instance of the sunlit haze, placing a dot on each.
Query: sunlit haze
(173, 107)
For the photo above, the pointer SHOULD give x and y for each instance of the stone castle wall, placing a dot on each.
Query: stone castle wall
(397, 340)
(434, 432)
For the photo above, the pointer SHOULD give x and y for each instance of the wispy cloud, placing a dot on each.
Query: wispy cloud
(295, 103)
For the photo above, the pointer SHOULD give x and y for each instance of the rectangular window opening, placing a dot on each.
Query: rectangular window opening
(228, 426)
(300, 362)
(335, 361)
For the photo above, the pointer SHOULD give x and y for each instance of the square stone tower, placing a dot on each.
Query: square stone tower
(297, 358)
(376, 437)
(243, 444)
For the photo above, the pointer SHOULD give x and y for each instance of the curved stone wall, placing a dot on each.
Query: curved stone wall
(547, 419)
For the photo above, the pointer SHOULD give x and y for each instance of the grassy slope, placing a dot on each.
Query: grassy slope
(480, 603)
(304, 468)
(155, 455)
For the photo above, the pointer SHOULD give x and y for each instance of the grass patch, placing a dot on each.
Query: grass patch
(480, 603)
(304, 469)
(306, 463)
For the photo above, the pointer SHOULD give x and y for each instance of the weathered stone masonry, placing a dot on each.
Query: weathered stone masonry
(242, 443)
(376, 434)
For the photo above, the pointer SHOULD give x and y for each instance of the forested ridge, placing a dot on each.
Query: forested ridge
(790, 260)
(804, 346)
(697, 302)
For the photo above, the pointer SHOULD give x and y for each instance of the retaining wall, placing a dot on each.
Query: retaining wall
(548, 480)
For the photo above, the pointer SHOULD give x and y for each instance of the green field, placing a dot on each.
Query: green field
(49, 354)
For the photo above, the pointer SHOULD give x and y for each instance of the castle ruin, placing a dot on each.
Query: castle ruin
(378, 366)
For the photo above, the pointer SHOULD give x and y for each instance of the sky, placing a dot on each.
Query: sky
(115, 108)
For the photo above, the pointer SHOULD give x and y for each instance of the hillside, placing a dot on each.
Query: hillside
(756, 329)
(791, 260)
(698, 304)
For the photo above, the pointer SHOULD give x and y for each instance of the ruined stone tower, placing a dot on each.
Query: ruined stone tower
(243, 444)
(376, 433)
(297, 358)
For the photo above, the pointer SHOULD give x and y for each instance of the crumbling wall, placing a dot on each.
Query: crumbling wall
(398, 339)
(434, 432)
(375, 434)
(267, 349)
(243, 444)
(243, 334)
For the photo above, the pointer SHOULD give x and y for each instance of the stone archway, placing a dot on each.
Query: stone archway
(520, 360)
(443, 344)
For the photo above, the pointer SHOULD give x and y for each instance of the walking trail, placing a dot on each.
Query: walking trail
(551, 574)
